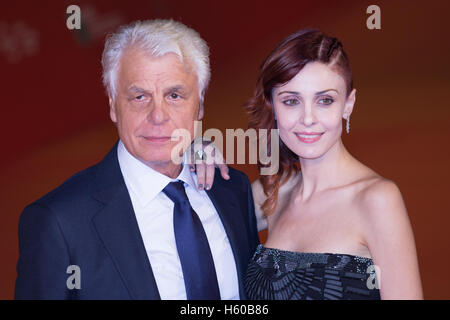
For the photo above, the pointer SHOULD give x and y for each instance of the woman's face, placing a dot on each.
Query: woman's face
(309, 110)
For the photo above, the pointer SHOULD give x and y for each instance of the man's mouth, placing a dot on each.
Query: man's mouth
(157, 139)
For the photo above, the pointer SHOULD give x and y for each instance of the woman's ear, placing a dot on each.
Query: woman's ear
(349, 104)
(273, 109)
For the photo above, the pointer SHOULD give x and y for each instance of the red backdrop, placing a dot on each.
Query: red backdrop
(56, 112)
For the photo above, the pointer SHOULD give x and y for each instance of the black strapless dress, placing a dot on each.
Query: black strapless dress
(275, 274)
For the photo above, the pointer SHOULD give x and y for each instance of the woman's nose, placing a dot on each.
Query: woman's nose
(308, 116)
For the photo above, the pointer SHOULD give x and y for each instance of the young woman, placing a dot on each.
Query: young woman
(336, 222)
(336, 229)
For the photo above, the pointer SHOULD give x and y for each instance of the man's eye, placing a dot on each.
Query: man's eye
(140, 97)
(326, 101)
(291, 102)
(174, 96)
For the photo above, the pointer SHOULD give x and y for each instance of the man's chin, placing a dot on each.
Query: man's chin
(160, 157)
(157, 161)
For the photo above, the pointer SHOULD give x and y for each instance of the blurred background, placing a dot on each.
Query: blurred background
(56, 112)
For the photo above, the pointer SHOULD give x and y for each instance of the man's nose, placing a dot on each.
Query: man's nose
(157, 112)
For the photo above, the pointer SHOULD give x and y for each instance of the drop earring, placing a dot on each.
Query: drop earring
(348, 124)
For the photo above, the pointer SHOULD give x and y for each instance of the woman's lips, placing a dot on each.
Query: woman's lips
(308, 137)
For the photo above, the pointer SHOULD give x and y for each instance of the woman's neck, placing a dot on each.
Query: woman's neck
(325, 172)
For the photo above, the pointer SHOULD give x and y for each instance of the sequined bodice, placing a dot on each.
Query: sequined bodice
(275, 274)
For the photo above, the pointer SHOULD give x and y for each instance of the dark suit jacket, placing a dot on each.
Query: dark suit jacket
(89, 221)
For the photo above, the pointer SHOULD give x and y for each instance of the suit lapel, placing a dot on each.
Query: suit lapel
(118, 229)
(227, 207)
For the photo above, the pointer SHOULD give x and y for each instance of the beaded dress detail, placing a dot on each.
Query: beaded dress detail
(275, 274)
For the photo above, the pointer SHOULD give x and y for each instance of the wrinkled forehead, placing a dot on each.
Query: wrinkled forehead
(136, 57)
(137, 66)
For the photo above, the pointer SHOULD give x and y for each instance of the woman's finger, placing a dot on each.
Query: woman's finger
(224, 171)
(210, 171)
(201, 175)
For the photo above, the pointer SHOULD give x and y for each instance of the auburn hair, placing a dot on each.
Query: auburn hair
(283, 64)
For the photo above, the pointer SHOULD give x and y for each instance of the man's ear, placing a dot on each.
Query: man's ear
(200, 111)
(349, 104)
(112, 110)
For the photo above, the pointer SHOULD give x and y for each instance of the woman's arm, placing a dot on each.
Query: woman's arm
(259, 198)
(391, 243)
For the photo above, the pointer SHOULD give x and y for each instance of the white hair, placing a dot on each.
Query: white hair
(157, 37)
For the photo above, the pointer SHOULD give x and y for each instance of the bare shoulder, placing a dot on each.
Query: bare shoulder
(381, 203)
(258, 192)
(284, 190)
(259, 197)
(380, 193)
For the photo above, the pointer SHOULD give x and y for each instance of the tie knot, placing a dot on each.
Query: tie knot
(176, 192)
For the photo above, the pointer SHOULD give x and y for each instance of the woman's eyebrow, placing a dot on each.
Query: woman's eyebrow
(323, 91)
(317, 93)
(289, 92)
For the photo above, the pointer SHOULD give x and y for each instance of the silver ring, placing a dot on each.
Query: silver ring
(200, 155)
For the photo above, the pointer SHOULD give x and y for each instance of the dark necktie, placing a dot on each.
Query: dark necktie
(193, 248)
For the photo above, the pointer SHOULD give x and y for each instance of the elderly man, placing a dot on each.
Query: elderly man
(136, 225)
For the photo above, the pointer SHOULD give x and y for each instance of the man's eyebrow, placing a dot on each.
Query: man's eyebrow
(137, 89)
(177, 88)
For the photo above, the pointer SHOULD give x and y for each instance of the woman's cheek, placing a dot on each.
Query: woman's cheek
(331, 121)
(287, 119)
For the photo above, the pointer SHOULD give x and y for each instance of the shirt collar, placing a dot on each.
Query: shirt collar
(145, 182)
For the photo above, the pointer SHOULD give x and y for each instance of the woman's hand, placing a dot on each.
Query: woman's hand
(205, 156)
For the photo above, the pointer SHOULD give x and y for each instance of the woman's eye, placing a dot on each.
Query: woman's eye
(291, 102)
(326, 101)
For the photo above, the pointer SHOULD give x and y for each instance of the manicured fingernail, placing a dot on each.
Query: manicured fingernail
(200, 186)
(207, 187)
(192, 169)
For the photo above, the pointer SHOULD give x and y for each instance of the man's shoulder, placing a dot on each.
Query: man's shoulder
(82, 184)
(238, 179)
(73, 190)
(237, 173)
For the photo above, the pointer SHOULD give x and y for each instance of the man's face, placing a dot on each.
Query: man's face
(155, 96)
